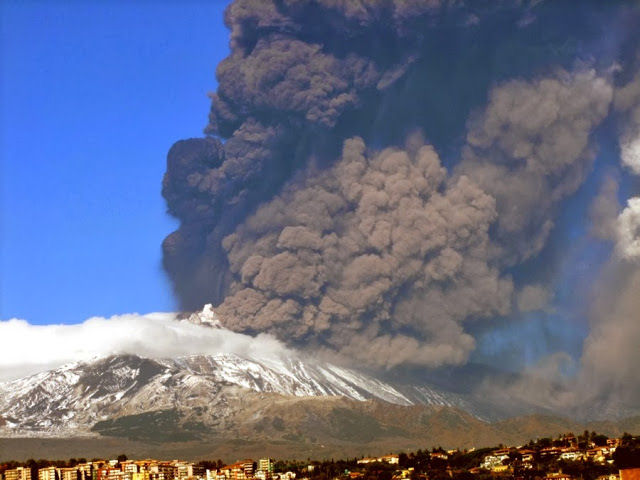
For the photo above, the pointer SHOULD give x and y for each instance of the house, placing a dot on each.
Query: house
(406, 473)
(527, 455)
(440, 455)
(550, 452)
(572, 455)
(630, 474)
(611, 476)
(558, 476)
(598, 454)
(390, 459)
(495, 459)
(285, 476)
(501, 468)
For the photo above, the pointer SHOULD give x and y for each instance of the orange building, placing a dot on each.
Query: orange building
(630, 474)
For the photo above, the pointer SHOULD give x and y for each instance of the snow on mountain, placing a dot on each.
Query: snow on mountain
(72, 398)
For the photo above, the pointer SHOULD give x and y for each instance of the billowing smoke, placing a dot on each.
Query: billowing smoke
(314, 211)
(530, 149)
(533, 298)
(380, 250)
(604, 210)
(605, 379)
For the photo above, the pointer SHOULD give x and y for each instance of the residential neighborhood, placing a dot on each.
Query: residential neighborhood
(588, 456)
(124, 469)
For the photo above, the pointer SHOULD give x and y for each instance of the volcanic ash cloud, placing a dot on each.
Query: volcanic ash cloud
(380, 250)
(312, 212)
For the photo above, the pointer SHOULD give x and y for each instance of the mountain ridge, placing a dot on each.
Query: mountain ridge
(70, 399)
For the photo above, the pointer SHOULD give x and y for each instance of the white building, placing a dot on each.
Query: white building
(495, 459)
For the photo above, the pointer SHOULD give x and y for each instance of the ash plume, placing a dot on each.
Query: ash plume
(380, 249)
(530, 149)
(313, 211)
(604, 210)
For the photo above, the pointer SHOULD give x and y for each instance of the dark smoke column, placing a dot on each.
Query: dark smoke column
(296, 69)
(311, 211)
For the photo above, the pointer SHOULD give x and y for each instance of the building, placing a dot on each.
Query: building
(611, 476)
(238, 471)
(184, 470)
(129, 467)
(266, 465)
(265, 469)
(109, 473)
(48, 473)
(406, 473)
(527, 455)
(572, 455)
(20, 473)
(390, 459)
(440, 455)
(550, 452)
(494, 460)
(558, 476)
(68, 473)
(501, 469)
(630, 474)
(85, 471)
(166, 471)
(598, 454)
(286, 476)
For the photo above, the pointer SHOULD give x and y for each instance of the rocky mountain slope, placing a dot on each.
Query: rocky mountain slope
(71, 399)
(231, 400)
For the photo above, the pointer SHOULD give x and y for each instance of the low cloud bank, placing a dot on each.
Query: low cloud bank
(28, 348)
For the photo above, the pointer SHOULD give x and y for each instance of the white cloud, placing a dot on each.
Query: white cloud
(27, 348)
(628, 230)
(630, 153)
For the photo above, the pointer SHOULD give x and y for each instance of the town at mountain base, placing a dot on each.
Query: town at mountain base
(586, 456)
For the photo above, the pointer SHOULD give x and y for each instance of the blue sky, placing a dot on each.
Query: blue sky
(93, 95)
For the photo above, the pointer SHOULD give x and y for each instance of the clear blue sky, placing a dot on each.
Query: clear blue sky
(93, 95)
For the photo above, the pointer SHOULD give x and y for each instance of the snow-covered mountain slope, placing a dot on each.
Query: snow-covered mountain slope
(72, 398)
